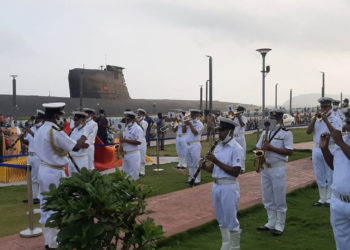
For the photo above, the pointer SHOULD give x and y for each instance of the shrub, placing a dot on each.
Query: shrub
(94, 211)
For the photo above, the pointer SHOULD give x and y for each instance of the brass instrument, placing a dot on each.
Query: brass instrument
(119, 147)
(232, 115)
(319, 115)
(260, 154)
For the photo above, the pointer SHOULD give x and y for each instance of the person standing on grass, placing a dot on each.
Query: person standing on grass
(33, 159)
(131, 141)
(278, 145)
(161, 130)
(180, 140)
(52, 146)
(241, 123)
(227, 160)
(323, 174)
(143, 147)
(91, 127)
(339, 161)
(193, 130)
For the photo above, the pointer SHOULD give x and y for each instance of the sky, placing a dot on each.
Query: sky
(162, 44)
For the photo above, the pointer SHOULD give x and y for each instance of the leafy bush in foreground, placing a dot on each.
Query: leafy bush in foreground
(94, 211)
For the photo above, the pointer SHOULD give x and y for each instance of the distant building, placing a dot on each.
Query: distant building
(108, 83)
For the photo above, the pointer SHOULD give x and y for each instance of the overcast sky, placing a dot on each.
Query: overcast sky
(162, 45)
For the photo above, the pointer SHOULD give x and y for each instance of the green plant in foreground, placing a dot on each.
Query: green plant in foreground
(94, 211)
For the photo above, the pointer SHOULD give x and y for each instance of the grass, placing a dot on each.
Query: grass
(13, 217)
(299, 135)
(307, 227)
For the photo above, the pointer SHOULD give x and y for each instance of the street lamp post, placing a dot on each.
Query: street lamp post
(81, 89)
(14, 102)
(206, 95)
(276, 95)
(264, 71)
(210, 83)
(290, 100)
(322, 83)
(201, 98)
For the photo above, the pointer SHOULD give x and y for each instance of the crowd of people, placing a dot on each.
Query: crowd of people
(53, 143)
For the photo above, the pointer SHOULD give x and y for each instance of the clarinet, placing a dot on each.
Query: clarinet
(191, 182)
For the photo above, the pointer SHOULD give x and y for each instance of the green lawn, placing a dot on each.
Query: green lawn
(307, 227)
(299, 135)
(13, 217)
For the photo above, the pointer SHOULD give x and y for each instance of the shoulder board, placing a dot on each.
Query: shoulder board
(285, 129)
(55, 128)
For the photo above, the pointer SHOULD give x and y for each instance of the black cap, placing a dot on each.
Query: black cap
(240, 108)
(276, 114)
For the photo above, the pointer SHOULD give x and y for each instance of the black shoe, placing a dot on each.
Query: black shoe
(263, 228)
(196, 183)
(141, 175)
(276, 232)
(25, 201)
(326, 204)
(242, 171)
(49, 248)
(318, 204)
(36, 201)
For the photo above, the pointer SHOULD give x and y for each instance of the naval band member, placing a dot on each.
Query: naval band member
(227, 161)
(193, 130)
(323, 174)
(239, 133)
(131, 141)
(143, 147)
(91, 127)
(339, 161)
(52, 147)
(278, 146)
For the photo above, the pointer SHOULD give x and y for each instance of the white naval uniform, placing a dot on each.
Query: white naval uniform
(143, 147)
(80, 157)
(51, 169)
(338, 113)
(181, 147)
(226, 196)
(273, 178)
(91, 127)
(33, 160)
(340, 209)
(193, 149)
(132, 157)
(323, 174)
(240, 137)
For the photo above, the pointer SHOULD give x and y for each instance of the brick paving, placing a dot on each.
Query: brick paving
(189, 208)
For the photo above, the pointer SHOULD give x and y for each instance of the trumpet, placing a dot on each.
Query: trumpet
(319, 116)
(232, 115)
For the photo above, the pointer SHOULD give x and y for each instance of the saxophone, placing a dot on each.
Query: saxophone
(119, 147)
(260, 154)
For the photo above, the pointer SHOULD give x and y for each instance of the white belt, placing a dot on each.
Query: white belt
(57, 167)
(193, 143)
(31, 153)
(131, 152)
(238, 135)
(345, 198)
(79, 156)
(274, 165)
(225, 181)
(330, 146)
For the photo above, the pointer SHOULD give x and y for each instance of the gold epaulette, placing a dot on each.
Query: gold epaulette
(56, 150)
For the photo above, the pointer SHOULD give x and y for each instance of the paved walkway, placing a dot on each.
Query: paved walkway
(169, 208)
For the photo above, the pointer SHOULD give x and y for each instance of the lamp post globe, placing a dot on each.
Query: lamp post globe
(263, 53)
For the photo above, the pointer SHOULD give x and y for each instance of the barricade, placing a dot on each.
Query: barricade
(11, 170)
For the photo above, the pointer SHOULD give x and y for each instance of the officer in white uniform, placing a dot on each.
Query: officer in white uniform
(180, 140)
(193, 130)
(33, 159)
(339, 161)
(52, 147)
(227, 160)
(79, 132)
(131, 141)
(336, 111)
(241, 122)
(278, 146)
(323, 173)
(143, 147)
(91, 127)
